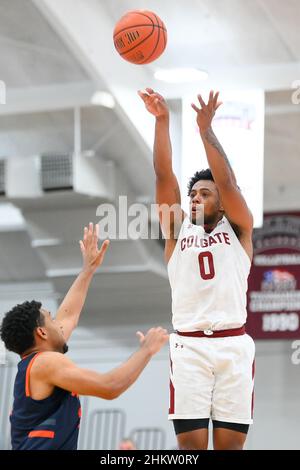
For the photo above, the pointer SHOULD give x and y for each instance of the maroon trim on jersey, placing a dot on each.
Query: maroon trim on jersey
(214, 334)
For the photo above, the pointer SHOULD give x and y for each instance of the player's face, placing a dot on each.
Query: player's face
(205, 197)
(55, 334)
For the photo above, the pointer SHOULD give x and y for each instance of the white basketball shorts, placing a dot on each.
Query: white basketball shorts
(212, 378)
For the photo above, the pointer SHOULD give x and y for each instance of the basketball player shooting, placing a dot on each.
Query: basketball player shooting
(46, 410)
(212, 358)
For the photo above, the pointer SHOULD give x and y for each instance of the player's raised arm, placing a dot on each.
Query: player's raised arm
(70, 309)
(234, 204)
(167, 187)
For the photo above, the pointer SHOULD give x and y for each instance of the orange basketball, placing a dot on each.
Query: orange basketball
(140, 36)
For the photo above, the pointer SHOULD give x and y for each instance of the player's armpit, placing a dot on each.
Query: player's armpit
(168, 199)
(236, 209)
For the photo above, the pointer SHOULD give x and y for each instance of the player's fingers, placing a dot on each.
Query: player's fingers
(102, 251)
(195, 108)
(82, 247)
(162, 331)
(161, 98)
(104, 247)
(210, 103)
(150, 91)
(95, 235)
(215, 99)
(148, 99)
(144, 96)
(153, 98)
(200, 99)
(140, 336)
(85, 234)
(90, 233)
(158, 103)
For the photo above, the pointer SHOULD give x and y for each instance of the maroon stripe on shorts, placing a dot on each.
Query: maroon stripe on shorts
(172, 399)
(172, 391)
(252, 402)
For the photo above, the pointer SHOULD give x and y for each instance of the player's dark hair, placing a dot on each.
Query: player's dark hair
(200, 175)
(18, 326)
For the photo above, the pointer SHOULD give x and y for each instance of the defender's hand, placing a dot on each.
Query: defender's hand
(91, 255)
(153, 340)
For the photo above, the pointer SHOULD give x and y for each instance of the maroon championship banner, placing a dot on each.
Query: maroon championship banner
(274, 282)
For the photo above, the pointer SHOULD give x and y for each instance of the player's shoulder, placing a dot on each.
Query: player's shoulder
(238, 231)
(44, 361)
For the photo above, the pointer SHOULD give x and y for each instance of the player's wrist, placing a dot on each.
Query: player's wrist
(163, 118)
(204, 129)
(87, 271)
(147, 350)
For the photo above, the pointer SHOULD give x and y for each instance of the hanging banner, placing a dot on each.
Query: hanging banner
(274, 281)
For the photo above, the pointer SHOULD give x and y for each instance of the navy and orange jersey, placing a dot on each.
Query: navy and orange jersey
(49, 424)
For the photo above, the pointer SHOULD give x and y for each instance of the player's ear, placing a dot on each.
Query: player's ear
(41, 332)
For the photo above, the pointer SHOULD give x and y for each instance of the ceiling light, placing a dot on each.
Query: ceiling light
(180, 75)
(11, 217)
(103, 98)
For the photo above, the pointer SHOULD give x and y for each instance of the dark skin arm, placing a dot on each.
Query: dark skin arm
(234, 204)
(167, 187)
(69, 311)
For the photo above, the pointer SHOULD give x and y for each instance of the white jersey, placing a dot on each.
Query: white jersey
(208, 275)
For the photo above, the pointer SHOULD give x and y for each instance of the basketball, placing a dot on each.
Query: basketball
(140, 36)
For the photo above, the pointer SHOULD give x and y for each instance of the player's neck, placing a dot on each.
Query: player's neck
(208, 228)
(35, 350)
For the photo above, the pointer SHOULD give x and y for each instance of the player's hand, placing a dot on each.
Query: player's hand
(91, 255)
(206, 113)
(155, 103)
(153, 340)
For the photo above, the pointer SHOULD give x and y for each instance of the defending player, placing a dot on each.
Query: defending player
(46, 409)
